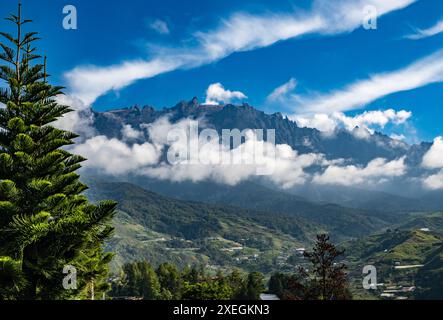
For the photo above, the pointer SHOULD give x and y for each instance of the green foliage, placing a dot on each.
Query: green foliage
(155, 228)
(328, 276)
(429, 279)
(138, 280)
(403, 247)
(432, 221)
(254, 286)
(191, 274)
(11, 278)
(325, 280)
(45, 221)
(288, 286)
(93, 270)
(213, 290)
(170, 280)
(237, 281)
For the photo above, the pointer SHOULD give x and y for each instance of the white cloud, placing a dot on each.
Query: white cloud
(361, 133)
(159, 26)
(434, 181)
(320, 121)
(433, 159)
(80, 120)
(345, 16)
(398, 137)
(89, 82)
(420, 73)
(367, 120)
(377, 171)
(278, 164)
(115, 157)
(217, 94)
(240, 32)
(244, 31)
(282, 91)
(129, 133)
(426, 33)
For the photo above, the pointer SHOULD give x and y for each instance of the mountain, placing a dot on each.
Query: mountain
(403, 246)
(339, 221)
(343, 144)
(258, 226)
(409, 241)
(369, 200)
(433, 199)
(432, 221)
(160, 228)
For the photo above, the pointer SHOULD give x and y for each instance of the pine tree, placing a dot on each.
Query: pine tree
(253, 287)
(191, 274)
(237, 282)
(328, 280)
(170, 280)
(139, 280)
(94, 270)
(11, 278)
(46, 222)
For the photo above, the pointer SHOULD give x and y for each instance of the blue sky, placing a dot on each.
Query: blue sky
(326, 63)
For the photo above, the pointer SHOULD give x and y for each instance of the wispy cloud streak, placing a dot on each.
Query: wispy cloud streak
(240, 32)
(357, 95)
(426, 33)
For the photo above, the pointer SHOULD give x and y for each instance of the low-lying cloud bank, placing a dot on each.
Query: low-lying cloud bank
(433, 159)
(377, 171)
(172, 153)
(368, 120)
(137, 154)
(194, 158)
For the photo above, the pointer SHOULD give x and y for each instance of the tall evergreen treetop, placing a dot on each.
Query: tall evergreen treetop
(46, 222)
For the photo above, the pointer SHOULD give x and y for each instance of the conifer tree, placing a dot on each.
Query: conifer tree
(139, 280)
(328, 280)
(170, 279)
(46, 222)
(253, 287)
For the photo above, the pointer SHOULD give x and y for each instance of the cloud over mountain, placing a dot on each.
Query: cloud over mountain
(378, 170)
(366, 120)
(216, 94)
(168, 151)
(433, 159)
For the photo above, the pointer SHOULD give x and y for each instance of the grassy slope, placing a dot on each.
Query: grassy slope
(407, 245)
